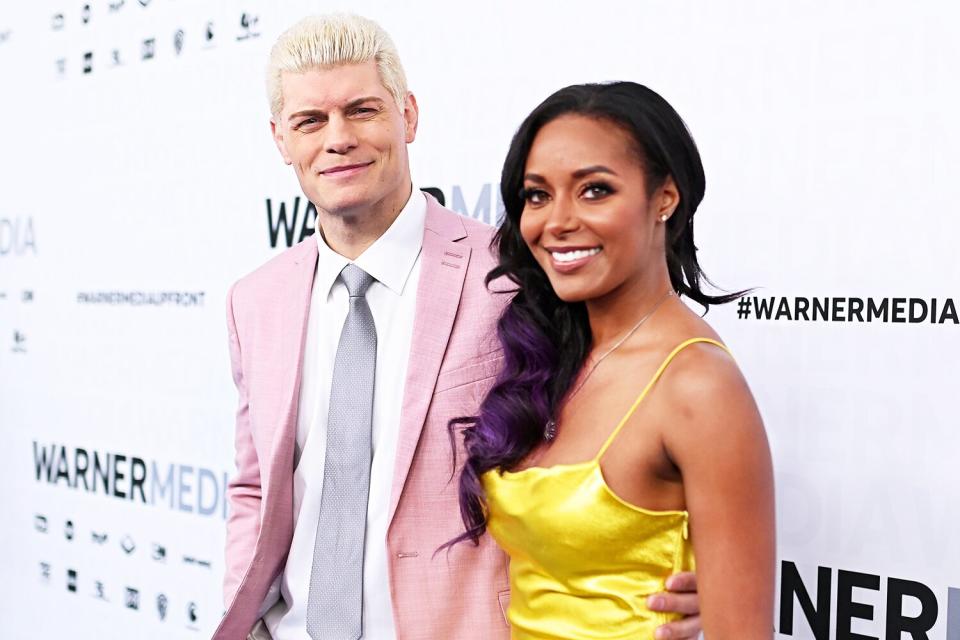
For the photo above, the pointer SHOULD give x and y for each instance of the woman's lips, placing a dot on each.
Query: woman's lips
(569, 259)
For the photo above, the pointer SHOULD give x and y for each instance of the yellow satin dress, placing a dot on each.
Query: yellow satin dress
(582, 560)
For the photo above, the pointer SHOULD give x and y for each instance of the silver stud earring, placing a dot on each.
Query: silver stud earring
(664, 218)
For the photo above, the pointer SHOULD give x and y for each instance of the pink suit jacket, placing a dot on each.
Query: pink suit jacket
(454, 357)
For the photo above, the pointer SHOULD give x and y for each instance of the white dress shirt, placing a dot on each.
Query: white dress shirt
(394, 261)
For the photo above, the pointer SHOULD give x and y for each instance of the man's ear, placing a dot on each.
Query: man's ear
(277, 132)
(411, 116)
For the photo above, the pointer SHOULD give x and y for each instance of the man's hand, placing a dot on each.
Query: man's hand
(682, 598)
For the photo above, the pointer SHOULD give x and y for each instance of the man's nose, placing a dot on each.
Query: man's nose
(340, 135)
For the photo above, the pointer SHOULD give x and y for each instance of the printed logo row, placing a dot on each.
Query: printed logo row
(158, 552)
(131, 597)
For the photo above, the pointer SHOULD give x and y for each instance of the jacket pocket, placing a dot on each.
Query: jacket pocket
(468, 374)
(504, 598)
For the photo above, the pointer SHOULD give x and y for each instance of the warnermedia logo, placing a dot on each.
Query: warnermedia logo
(911, 610)
(17, 237)
(293, 222)
(174, 486)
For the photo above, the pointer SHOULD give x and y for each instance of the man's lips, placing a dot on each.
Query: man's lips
(346, 169)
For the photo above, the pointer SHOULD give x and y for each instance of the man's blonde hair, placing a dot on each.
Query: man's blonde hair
(319, 42)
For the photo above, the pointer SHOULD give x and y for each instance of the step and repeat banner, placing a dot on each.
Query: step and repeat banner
(138, 180)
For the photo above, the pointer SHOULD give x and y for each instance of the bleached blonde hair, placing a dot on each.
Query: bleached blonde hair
(324, 41)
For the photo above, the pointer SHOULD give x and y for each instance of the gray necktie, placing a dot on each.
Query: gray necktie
(335, 601)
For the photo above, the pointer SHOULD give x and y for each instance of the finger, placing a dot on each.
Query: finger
(686, 629)
(686, 581)
(685, 603)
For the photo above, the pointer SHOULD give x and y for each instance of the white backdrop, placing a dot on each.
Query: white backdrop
(133, 194)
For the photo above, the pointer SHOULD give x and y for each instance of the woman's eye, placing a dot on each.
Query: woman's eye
(534, 196)
(596, 191)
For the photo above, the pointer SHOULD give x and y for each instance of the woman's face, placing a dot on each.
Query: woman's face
(587, 218)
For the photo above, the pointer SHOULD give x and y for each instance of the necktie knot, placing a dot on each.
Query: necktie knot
(356, 280)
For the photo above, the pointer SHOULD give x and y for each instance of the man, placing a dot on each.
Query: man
(351, 352)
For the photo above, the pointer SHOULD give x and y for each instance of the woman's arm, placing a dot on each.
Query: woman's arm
(716, 438)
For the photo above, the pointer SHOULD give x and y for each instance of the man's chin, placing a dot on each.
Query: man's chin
(343, 207)
(354, 201)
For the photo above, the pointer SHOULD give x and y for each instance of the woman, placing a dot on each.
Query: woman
(620, 436)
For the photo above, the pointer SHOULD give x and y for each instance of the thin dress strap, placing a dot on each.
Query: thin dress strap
(656, 376)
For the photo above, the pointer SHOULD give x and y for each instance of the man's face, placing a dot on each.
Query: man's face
(346, 139)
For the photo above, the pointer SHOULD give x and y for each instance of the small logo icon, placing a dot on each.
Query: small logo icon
(159, 553)
(88, 62)
(68, 530)
(248, 26)
(162, 606)
(45, 571)
(192, 613)
(195, 561)
(62, 66)
(100, 592)
(178, 41)
(131, 598)
(85, 14)
(40, 523)
(116, 5)
(72, 580)
(26, 296)
(127, 544)
(148, 49)
(57, 22)
(115, 57)
(98, 538)
(209, 35)
(19, 340)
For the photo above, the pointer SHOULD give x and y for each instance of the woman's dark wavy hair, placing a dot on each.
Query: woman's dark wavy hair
(545, 340)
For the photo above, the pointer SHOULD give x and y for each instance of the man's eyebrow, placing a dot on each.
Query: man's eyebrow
(359, 101)
(306, 112)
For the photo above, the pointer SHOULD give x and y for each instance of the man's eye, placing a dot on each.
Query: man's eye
(365, 111)
(306, 123)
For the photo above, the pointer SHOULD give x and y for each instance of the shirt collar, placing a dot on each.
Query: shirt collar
(390, 258)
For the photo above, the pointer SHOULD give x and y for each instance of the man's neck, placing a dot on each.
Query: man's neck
(351, 233)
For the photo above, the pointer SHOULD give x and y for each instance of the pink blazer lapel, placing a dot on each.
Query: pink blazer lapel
(443, 268)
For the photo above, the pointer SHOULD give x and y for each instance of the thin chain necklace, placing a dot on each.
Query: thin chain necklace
(550, 429)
